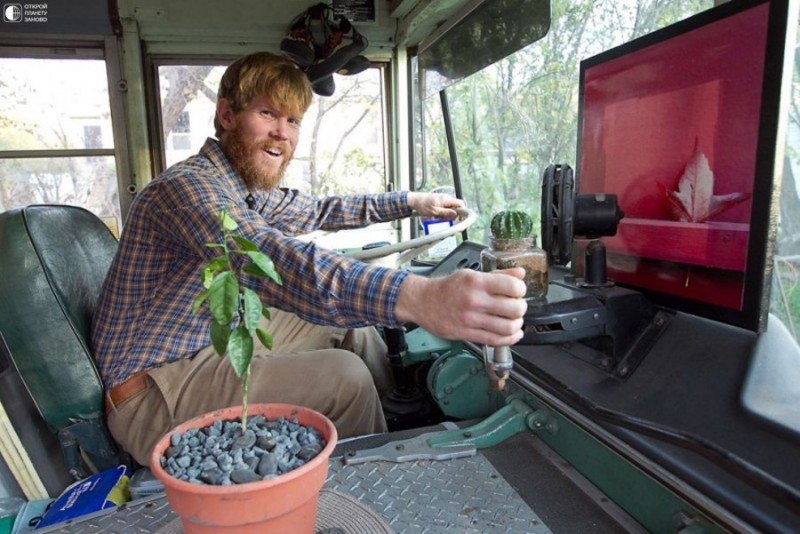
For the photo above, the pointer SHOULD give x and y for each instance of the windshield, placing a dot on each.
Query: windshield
(512, 119)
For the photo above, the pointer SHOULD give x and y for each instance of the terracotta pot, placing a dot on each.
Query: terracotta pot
(286, 503)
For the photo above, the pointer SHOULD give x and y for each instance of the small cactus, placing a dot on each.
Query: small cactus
(511, 225)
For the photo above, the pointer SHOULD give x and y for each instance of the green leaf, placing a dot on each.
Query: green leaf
(265, 313)
(244, 243)
(198, 301)
(217, 264)
(266, 266)
(212, 268)
(223, 297)
(240, 350)
(207, 277)
(228, 223)
(219, 337)
(255, 270)
(265, 337)
(252, 309)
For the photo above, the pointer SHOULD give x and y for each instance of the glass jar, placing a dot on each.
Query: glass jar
(521, 252)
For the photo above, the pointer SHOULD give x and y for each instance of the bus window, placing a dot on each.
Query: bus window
(56, 139)
(342, 140)
(188, 94)
(785, 302)
(515, 117)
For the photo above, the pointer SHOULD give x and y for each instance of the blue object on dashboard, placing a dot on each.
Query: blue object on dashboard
(435, 225)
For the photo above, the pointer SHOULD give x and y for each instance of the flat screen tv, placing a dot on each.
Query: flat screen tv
(685, 126)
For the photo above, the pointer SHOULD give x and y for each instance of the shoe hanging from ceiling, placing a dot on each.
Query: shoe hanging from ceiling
(322, 43)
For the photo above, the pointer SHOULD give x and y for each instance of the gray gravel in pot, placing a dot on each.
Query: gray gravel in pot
(221, 455)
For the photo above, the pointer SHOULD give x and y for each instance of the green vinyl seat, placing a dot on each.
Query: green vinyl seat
(53, 260)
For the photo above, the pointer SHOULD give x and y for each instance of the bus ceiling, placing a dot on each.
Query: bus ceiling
(434, 27)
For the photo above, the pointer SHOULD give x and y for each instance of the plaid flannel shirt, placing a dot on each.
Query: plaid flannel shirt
(144, 317)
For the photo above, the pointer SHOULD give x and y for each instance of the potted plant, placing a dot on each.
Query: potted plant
(512, 244)
(266, 471)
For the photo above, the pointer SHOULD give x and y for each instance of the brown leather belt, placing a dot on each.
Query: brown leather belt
(116, 396)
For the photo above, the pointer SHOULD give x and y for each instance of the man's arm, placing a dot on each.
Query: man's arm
(295, 213)
(485, 308)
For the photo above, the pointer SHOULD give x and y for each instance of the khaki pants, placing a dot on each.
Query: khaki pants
(332, 370)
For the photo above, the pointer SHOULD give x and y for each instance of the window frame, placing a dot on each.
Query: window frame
(107, 50)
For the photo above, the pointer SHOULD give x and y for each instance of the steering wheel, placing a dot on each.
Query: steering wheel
(407, 250)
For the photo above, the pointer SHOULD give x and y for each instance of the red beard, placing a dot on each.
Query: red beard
(244, 156)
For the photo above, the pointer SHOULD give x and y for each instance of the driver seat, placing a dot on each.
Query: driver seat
(53, 260)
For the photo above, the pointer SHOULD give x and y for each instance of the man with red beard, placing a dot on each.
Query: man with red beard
(155, 355)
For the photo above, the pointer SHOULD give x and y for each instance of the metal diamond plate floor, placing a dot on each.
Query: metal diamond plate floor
(464, 495)
(146, 515)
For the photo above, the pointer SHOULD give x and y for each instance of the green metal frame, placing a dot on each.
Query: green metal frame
(653, 505)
